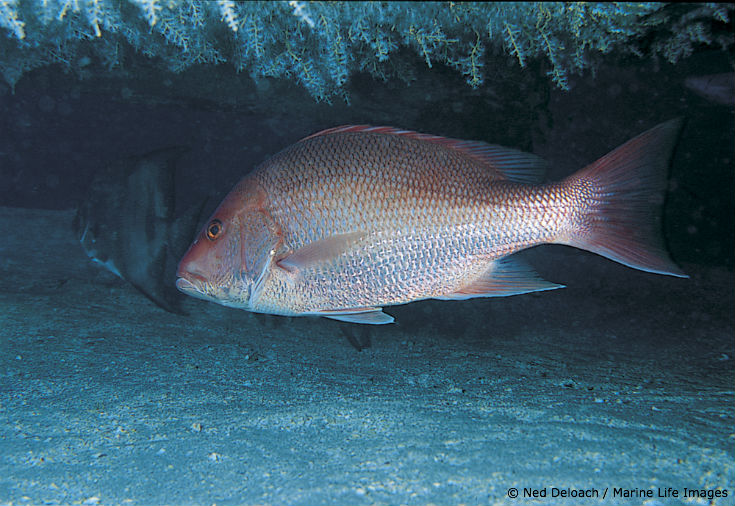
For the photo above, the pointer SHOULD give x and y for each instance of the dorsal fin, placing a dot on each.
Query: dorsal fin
(511, 164)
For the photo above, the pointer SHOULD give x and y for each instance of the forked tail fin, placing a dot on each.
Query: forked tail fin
(620, 199)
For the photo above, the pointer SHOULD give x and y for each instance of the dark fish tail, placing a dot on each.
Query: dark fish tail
(619, 202)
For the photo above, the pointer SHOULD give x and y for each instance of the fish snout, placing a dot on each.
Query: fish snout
(200, 286)
(191, 279)
(190, 272)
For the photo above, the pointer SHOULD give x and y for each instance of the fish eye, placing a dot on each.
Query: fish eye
(214, 229)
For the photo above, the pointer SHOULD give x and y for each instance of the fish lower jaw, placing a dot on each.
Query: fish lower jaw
(191, 289)
(194, 290)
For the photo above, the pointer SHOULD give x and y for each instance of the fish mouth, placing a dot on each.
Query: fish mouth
(186, 286)
(189, 288)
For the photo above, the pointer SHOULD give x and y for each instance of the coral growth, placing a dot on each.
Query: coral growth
(321, 44)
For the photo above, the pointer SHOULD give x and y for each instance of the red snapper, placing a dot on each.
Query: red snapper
(354, 218)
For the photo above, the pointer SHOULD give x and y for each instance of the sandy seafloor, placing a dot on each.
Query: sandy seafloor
(622, 380)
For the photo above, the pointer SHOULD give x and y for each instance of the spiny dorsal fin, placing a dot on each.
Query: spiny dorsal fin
(509, 163)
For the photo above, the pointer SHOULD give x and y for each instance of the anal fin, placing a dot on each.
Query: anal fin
(369, 315)
(503, 278)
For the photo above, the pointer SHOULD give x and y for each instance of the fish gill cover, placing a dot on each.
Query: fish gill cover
(321, 45)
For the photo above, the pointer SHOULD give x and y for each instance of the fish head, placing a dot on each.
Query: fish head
(230, 258)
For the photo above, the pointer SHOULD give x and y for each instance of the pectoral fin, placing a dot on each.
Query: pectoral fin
(502, 278)
(317, 252)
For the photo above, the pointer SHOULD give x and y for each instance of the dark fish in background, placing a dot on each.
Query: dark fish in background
(127, 223)
(718, 88)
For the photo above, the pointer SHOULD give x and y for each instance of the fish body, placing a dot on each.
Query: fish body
(127, 224)
(355, 218)
(717, 88)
